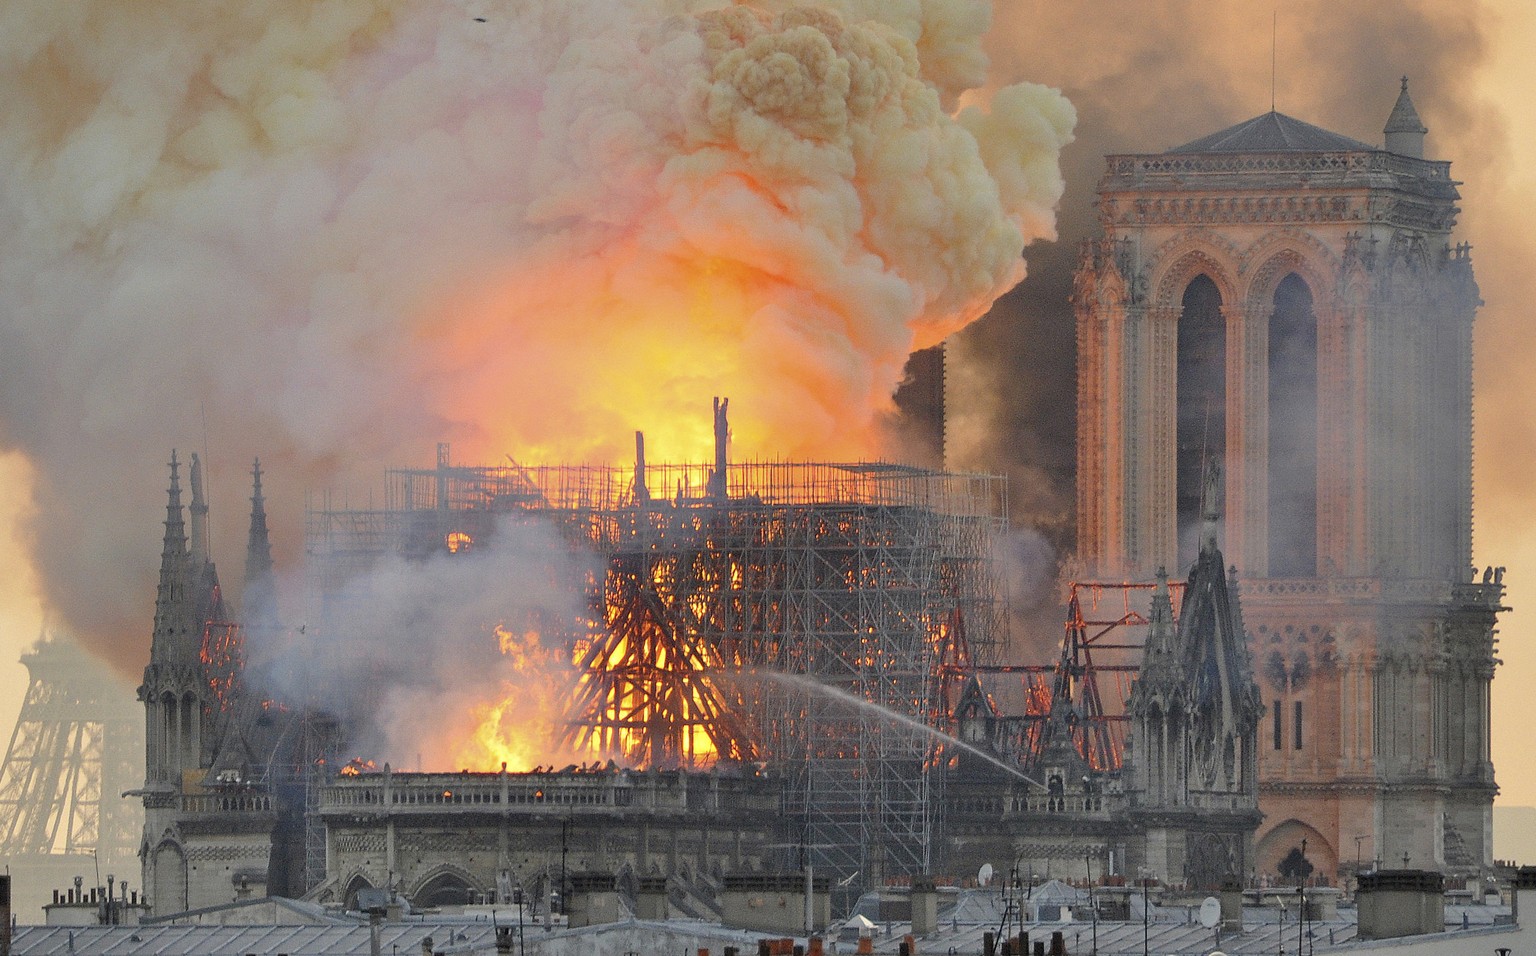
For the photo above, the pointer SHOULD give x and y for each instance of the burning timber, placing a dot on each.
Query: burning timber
(764, 673)
(774, 665)
(860, 577)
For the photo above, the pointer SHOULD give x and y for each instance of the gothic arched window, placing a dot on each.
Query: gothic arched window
(1293, 432)
(1202, 404)
(445, 889)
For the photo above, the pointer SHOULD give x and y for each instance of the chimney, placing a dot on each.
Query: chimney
(1396, 903)
(5, 914)
(925, 906)
(651, 898)
(1524, 883)
(1232, 906)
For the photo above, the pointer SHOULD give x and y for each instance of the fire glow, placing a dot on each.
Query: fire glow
(533, 232)
(637, 629)
(769, 232)
(522, 727)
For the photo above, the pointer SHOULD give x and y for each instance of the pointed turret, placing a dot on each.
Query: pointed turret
(1405, 131)
(1194, 705)
(1059, 744)
(206, 596)
(257, 595)
(1160, 663)
(172, 681)
(173, 640)
(1161, 615)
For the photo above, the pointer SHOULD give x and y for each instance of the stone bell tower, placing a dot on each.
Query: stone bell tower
(1290, 303)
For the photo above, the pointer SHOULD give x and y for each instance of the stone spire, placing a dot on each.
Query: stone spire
(1160, 618)
(172, 614)
(1059, 738)
(1405, 131)
(1161, 667)
(257, 593)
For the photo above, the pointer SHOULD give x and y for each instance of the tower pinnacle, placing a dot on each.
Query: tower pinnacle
(1405, 131)
(1210, 513)
(257, 593)
(171, 596)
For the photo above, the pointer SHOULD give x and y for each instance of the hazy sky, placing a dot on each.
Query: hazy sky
(1143, 77)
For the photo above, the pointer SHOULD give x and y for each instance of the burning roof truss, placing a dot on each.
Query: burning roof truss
(793, 613)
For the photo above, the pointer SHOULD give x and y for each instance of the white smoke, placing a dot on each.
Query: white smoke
(455, 660)
(333, 233)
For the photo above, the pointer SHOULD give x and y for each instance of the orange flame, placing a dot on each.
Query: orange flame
(520, 728)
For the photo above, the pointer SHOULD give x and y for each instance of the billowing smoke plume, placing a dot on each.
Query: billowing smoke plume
(332, 234)
(449, 662)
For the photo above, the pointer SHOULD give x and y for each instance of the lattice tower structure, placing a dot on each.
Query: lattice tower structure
(318, 744)
(74, 749)
(793, 613)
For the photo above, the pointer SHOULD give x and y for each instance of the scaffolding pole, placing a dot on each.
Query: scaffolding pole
(798, 619)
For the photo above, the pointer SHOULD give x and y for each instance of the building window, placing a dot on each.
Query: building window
(1296, 729)
(1293, 432)
(1202, 405)
(1276, 715)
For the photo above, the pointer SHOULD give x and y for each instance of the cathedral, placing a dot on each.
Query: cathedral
(1275, 427)
(1290, 303)
(244, 794)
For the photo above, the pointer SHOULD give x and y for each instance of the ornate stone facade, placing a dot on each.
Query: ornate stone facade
(455, 838)
(1289, 302)
(202, 844)
(1182, 807)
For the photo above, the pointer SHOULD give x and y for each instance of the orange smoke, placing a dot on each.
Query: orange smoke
(784, 225)
(336, 234)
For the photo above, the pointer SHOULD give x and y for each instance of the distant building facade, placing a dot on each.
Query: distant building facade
(1288, 302)
(447, 839)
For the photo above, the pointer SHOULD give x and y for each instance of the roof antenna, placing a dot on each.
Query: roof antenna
(1274, 40)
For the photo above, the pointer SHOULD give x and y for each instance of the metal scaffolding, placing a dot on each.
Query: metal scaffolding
(790, 613)
(1100, 656)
